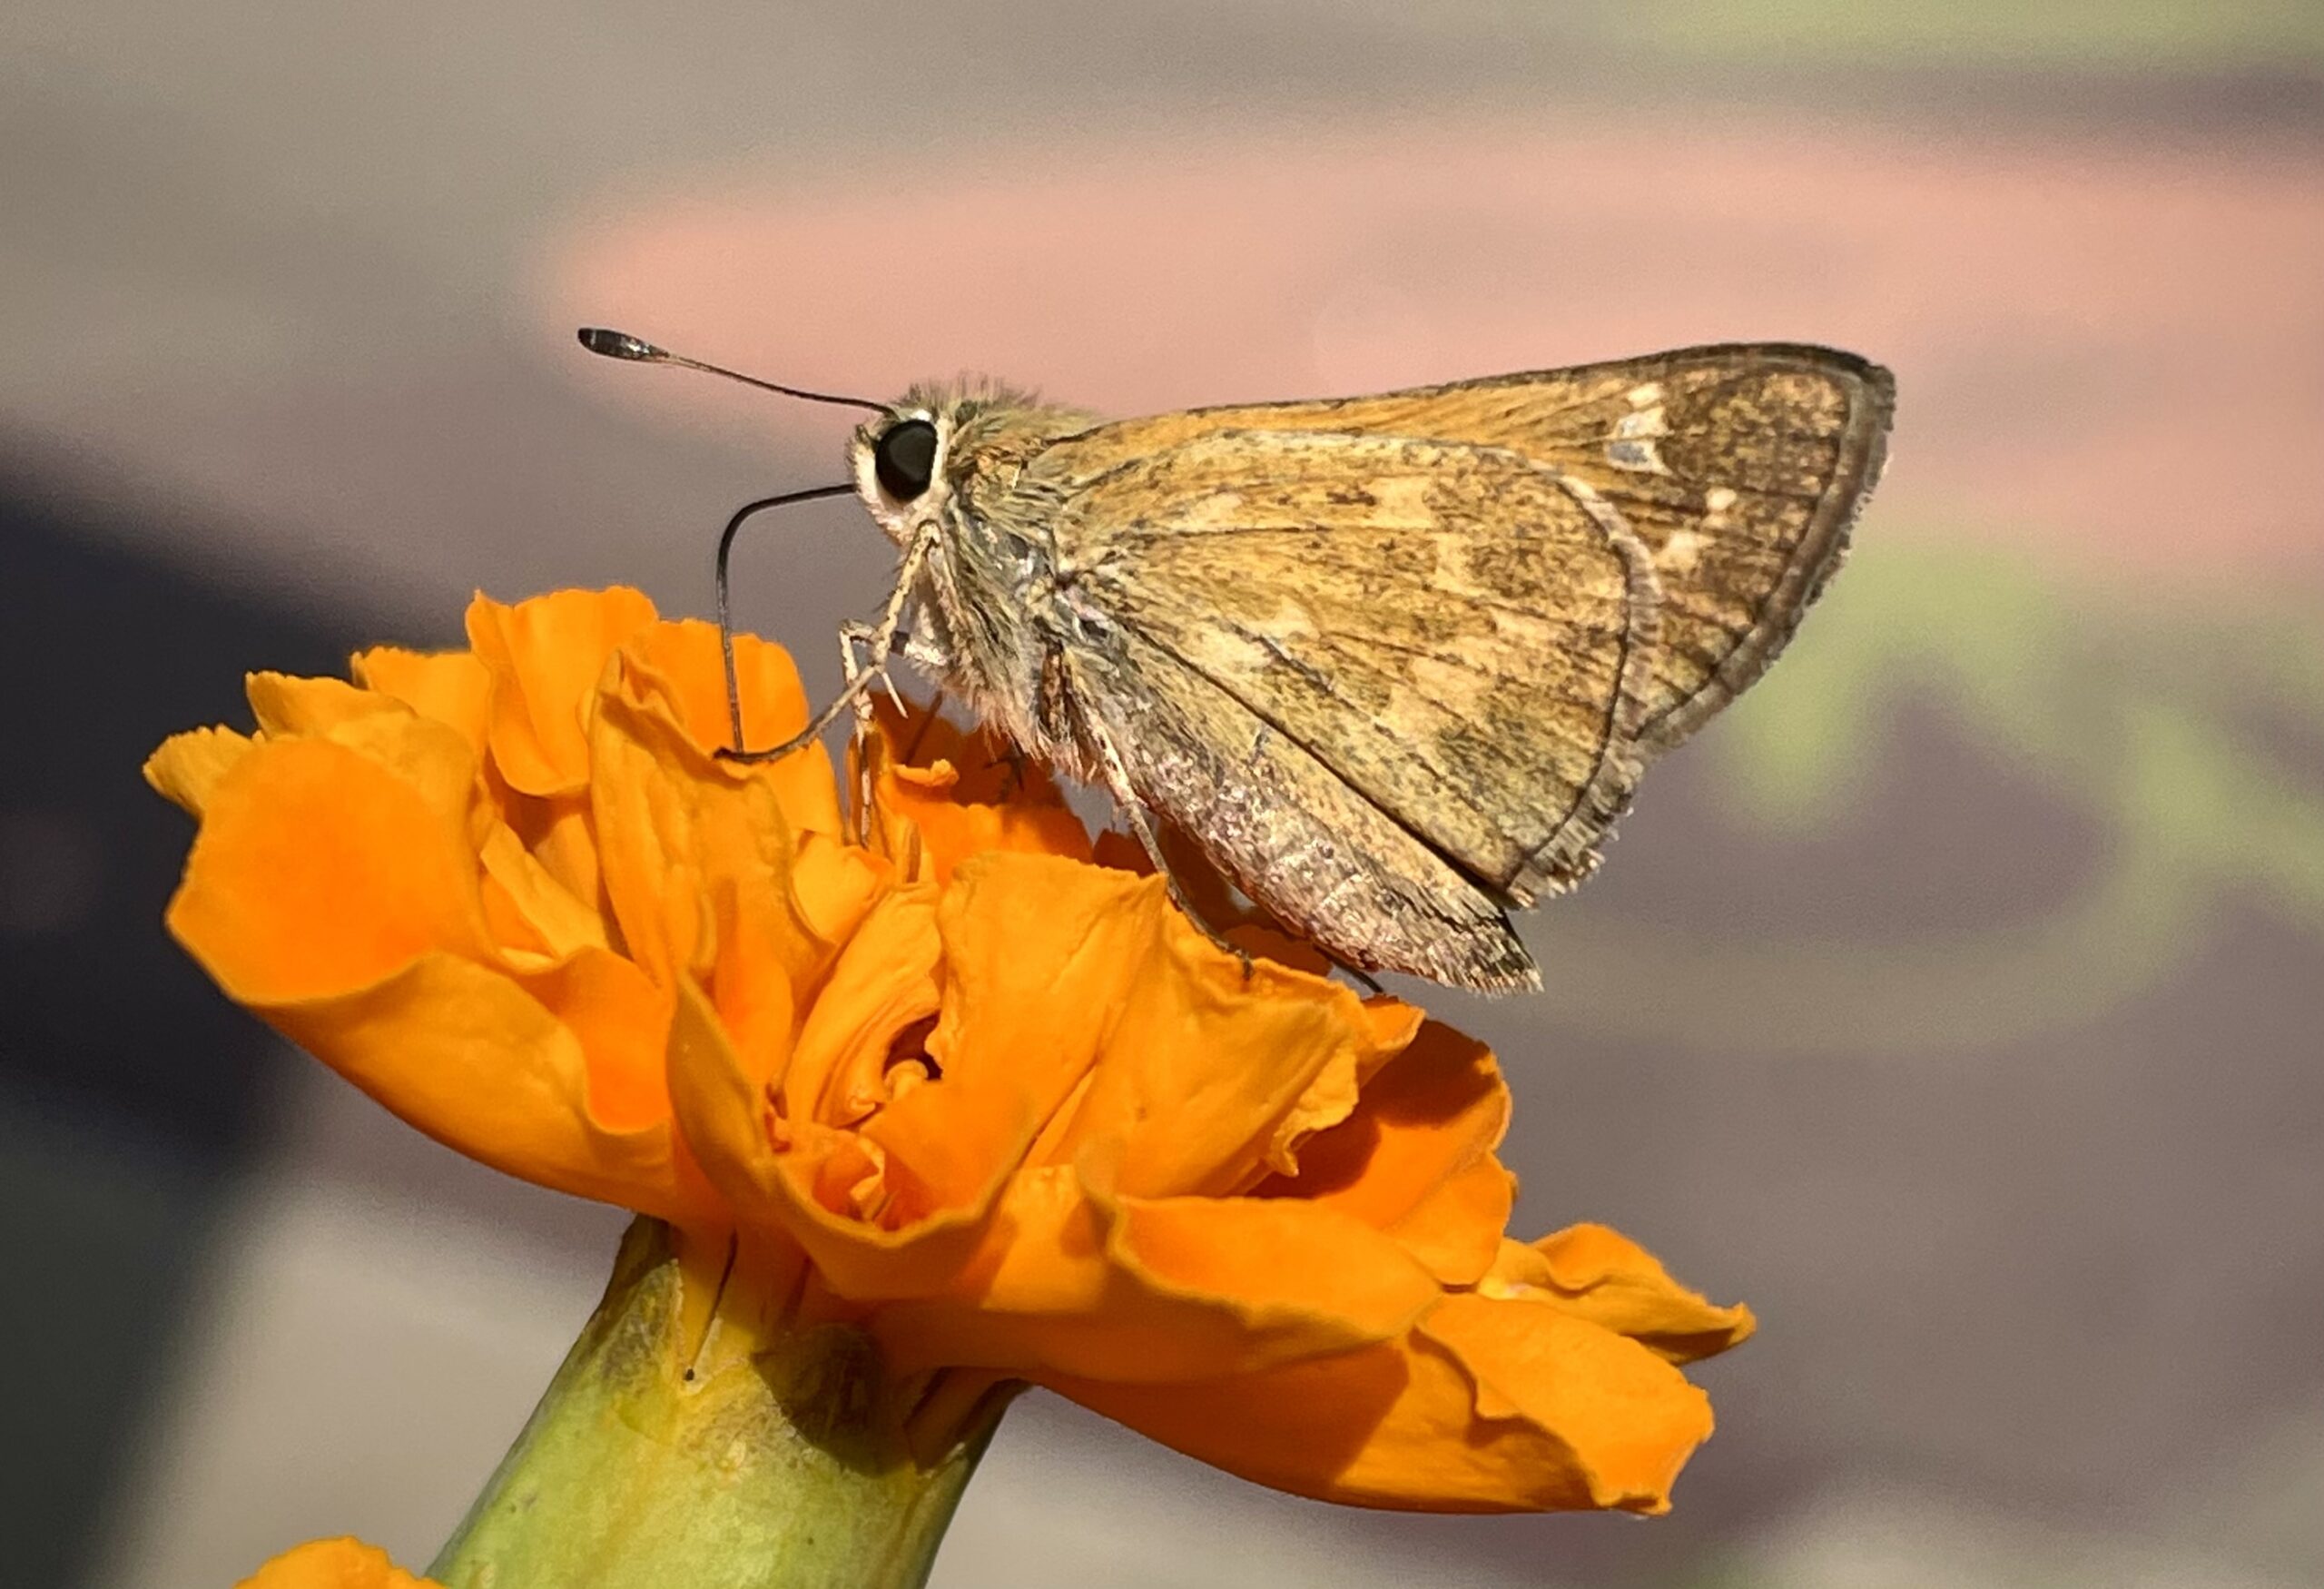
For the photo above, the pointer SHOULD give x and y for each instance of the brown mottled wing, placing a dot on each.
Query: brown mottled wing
(1457, 634)
(1741, 468)
(1293, 835)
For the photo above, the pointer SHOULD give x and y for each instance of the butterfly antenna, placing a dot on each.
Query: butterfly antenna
(639, 351)
(613, 344)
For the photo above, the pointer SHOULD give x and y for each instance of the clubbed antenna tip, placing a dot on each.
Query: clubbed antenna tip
(620, 345)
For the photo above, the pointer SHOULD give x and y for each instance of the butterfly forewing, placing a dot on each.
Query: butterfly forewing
(1740, 468)
(1451, 630)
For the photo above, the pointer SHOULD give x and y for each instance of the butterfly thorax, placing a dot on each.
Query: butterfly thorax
(990, 604)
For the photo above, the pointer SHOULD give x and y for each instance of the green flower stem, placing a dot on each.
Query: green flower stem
(783, 1467)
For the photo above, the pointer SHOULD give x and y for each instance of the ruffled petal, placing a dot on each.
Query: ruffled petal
(674, 828)
(473, 1059)
(334, 1563)
(679, 666)
(1416, 1155)
(431, 757)
(1628, 1419)
(1078, 1281)
(800, 1178)
(1603, 1275)
(1060, 971)
(188, 765)
(450, 687)
(325, 893)
(1485, 1407)
(644, 816)
(544, 657)
(963, 794)
(884, 981)
(318, 871)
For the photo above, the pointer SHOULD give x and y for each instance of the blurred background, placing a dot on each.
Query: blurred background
(1959, 1001)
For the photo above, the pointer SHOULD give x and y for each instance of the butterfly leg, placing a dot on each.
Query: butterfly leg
(879, 641)
(854, 640)
(1141, 822)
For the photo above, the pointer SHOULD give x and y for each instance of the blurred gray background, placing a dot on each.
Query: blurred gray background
(1957, 1002)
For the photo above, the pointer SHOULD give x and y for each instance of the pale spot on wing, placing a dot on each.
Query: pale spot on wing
(1227, 650)
(1645, 421)
(1718, 499)
(1648, 396)
(1401, 500)
(1212, 510)
(1223, 651)
(1289, 621)
(1680, 553)
(1450, 685)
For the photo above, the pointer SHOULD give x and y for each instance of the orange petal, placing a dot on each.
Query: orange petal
(680, 664)
(326, 894)
(779, 1174)
(1179, 1288)
(1447, 1230)
(1485, 1407)
(452, 687)
(719, 1098)
(622, 1023)
(1383, 1028)
(1415, 1156)
(1038, 955)
(832, 887)
(978, 764)
(644, 812)
(430, 756)
(673, 824)
(545, 656)
(969, 793)
(318, 871)
(558, 833)
(1206, 1072)
(883, 981)
(287, 706)
(951, 829)
(553, 915)
(1603, 1275)
(1060, 971)
(466, 1055)
(188, 765)
(334, 1563)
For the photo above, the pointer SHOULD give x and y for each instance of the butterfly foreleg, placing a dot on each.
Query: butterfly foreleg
(855, 640)
(878, 640)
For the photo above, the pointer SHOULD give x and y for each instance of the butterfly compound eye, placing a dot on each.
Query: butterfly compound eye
(904, 458)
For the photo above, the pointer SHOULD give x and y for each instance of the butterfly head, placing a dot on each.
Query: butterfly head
(910, 460)
(898, 458)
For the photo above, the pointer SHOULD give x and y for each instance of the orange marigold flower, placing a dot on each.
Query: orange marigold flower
(333, 1563)
(1002, 1108)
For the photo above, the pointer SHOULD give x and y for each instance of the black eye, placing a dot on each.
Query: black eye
(904, 458)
